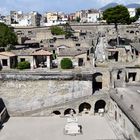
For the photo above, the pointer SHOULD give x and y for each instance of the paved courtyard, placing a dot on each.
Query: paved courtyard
(51, 128)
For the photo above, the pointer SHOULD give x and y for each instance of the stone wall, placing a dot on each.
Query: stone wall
(121, 119)
(28, 95)
(126, 31)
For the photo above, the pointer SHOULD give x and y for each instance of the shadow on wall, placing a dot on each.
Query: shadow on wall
(97, 81)
(4, 116)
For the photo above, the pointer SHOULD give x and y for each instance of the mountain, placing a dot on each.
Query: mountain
(108, 6)
(133, 5)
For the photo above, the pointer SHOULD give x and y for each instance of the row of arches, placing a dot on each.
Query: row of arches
(86, 107)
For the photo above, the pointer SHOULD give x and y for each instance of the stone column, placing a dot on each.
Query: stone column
(8, 62)
(48, 62)
(33, 64)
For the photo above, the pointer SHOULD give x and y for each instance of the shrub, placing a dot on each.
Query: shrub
(66, 63)
(23, 65)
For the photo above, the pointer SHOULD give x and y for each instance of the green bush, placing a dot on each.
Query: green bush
(66, 63)
(23, 65)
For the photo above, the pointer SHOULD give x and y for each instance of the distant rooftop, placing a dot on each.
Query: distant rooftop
(72, 51)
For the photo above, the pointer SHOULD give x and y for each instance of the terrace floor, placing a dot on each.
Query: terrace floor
(51, 128)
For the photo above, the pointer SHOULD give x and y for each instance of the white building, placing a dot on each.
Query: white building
(132, 12)
(93, 17)
(29, 19)
(54, 18)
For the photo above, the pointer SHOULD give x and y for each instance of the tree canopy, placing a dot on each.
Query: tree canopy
(56, 30)
(138, 11)
(64, 30)
(118, 14)
(7, 36)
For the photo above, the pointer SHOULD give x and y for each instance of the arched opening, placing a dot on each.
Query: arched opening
(56, 112)
(84, 107)
(97, 81)
(118, 74)
(131, 32)
(68, 111)
(122, 41)
(100, 104)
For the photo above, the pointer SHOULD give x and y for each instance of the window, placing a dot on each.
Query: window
(80, 62)
(4, 62)
(51, 45)
(77, 44)
(22, 59)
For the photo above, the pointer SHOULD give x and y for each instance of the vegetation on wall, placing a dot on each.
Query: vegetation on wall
(7, 36)
(66, 63)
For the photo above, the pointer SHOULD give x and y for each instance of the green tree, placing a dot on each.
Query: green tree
(68, 31)
(78, 19)
(138, 11)
(7, 36)
(56, 30)
(66, 63)
(117, 15)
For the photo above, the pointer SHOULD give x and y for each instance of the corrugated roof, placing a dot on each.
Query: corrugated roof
(136, 46)
(72, 51)
(41, 52)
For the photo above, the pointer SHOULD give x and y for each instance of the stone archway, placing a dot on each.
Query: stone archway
(4, 116)
(84, 107)
(131, 32)
(68, 111)
(100, 104)
(56, 112)
(97, 81)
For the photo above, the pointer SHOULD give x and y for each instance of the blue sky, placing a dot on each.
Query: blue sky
(55, 5)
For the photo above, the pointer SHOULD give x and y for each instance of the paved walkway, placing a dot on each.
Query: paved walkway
(51, 128)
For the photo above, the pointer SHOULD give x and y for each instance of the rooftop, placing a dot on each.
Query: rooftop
(136, 46)
(41, 52)
(9, 54)
(23, 52)
(130, 97)
(72, 51)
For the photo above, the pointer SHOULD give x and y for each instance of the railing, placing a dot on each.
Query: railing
(3, 115)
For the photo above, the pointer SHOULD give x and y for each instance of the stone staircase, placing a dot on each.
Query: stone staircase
(116, 129)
